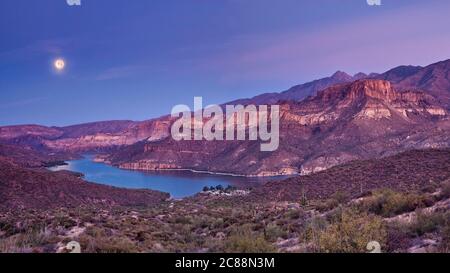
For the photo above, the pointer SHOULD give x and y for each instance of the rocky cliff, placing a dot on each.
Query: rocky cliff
(363, 119)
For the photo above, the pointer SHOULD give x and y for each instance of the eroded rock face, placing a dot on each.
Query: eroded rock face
(363, 119)
(90, 142)
(118, 134)
(11, 132)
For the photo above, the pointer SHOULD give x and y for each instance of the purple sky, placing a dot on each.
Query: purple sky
(137, 59)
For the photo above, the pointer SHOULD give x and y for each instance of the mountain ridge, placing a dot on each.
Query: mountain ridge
(315, 134)
(352, 112)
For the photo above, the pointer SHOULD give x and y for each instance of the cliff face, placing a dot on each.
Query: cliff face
(435, 79)
(366, 118)
(88, 137)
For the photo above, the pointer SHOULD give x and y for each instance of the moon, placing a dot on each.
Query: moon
(59, 64)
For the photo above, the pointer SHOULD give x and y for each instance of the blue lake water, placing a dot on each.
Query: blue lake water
(178, 183)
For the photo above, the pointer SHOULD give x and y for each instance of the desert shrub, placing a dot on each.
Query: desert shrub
(445, 190)
(337, 199)
(65, 221)
(202, 222)
(94, 231)
(426, 222)
(294, 214)
(142, 236)
(352, 233)
(184, 220)
(7, 227)
(244, 240)
(113, 244)
(340, 197)
(445, 234)
(218, 223)
(273, 232)
(311, 230)
(398, 239)
(9, 245)
(388, 203)
(25, 242)
(429, 188)
(327, 205)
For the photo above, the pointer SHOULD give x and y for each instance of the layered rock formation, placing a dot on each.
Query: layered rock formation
(87, 137)
(363, 119)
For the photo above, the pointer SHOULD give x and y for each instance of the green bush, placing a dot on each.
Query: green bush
(245, 241)
(426, 223)
(352, 233)
(388, 203)
(445, 189)
(340, 197)
(27, 241)
(294, 214)
(327, 205)
(113, 244)
(445, 234)
(273, 232)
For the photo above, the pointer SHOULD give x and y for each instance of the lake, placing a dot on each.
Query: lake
(178, 184)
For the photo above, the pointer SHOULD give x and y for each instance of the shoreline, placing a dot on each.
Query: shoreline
(94, 158)
(208, 172)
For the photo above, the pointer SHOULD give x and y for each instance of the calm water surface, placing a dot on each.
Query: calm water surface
(178, 183)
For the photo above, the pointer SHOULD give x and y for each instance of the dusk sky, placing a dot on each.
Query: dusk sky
(137, 59)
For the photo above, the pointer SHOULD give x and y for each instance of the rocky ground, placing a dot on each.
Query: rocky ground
(212, 222)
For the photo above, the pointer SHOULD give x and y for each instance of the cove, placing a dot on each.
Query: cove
(178, 184)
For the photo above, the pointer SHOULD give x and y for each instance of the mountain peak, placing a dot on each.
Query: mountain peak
(340, 75)
(400, 72)
(359, 76)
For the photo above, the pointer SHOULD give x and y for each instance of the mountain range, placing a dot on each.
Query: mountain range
(323, 123)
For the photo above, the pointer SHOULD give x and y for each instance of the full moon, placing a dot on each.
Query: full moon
(59, 64)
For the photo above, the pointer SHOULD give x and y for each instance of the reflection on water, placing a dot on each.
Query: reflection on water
(178, 183)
